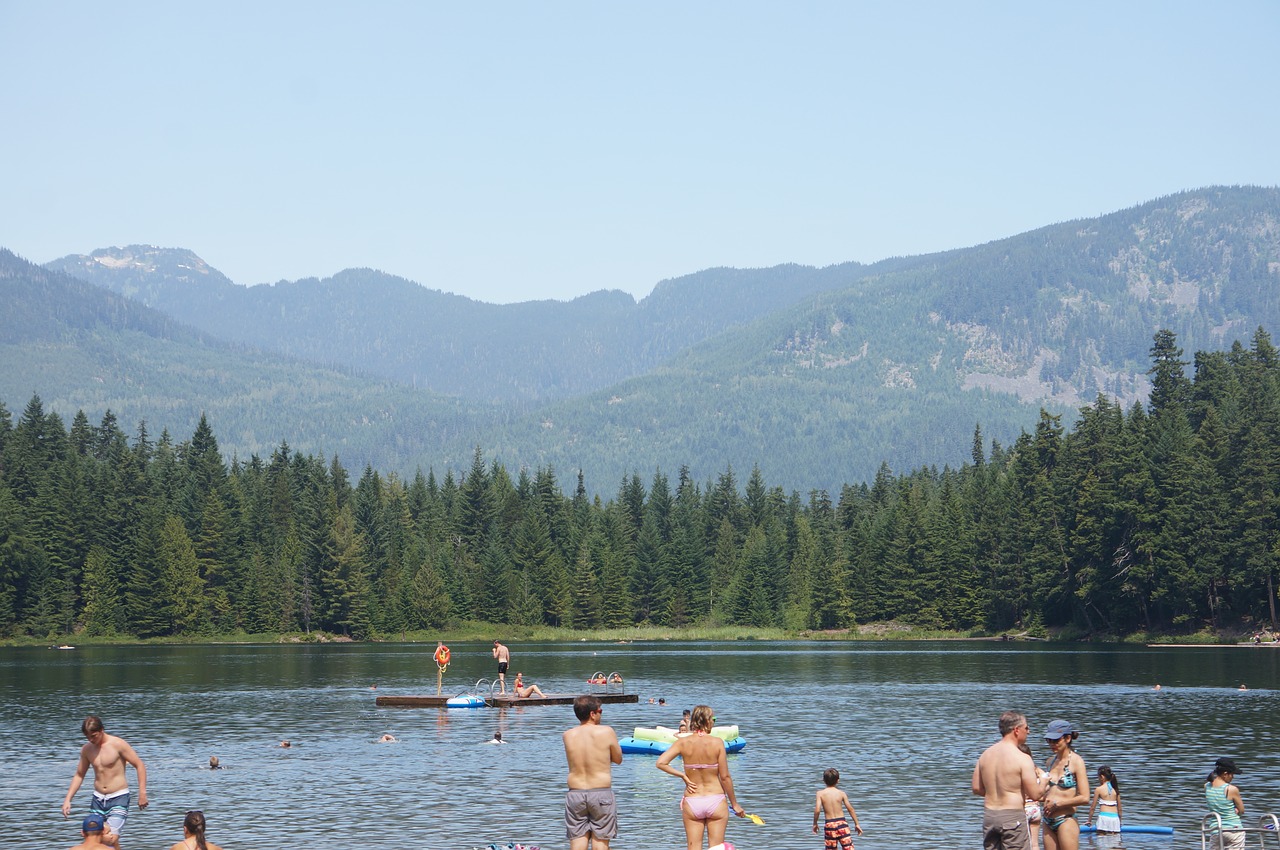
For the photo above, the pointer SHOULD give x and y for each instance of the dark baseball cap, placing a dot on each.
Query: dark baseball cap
(93, 823)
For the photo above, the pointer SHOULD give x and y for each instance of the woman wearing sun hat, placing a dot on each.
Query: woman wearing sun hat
(1068, 788)
(1224, 800)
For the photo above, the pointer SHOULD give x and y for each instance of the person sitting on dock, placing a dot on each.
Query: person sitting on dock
(522, 691)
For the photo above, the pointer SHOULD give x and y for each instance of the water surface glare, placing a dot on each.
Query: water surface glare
(903, 722)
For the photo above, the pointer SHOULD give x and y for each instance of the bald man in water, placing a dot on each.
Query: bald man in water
(1005, 778)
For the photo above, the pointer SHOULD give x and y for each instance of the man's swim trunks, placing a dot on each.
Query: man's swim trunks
(836, 835)
(593, 811)
(502, 666)
(1005, 829)
(114, 809)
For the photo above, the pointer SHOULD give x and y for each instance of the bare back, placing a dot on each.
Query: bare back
(1005, 776)
(703, 749)
(831, 800)
(591, 750)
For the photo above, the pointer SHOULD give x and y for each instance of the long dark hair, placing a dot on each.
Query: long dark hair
(1109, 774)
(194, 823)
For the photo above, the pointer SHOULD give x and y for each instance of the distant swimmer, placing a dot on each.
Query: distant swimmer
(496, 739)
(285, 745)
(387, 739)
(1242, 687)
(1156, 688)
(214, 764)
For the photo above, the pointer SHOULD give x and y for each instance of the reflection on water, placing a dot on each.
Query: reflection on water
(903, 723)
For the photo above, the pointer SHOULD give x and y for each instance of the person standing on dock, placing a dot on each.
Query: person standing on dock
(503, 655)
(108, 756)
(1004, 778)
(590, 809)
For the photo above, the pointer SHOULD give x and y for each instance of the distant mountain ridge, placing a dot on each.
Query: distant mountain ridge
(396, 329)
(815, 375)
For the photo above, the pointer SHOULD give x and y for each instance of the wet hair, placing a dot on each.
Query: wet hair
(831, 776)
(701, 718)
(194, 824)
(497, 736)
(91, 724)
(1009, 721)
(1108, 774)
(584, 705)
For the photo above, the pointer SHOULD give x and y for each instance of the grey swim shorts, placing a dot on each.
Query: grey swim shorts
(1005, 829)
(593, 810)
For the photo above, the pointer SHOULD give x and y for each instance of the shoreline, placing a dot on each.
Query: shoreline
(473, 632)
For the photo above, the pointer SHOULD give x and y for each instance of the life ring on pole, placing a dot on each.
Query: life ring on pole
(442, 656)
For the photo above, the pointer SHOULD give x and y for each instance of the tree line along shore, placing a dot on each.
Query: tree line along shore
(1163, 519)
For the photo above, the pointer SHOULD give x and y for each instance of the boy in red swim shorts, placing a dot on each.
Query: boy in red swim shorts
(831, 804)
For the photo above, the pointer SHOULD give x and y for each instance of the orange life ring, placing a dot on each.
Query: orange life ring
(442, 655)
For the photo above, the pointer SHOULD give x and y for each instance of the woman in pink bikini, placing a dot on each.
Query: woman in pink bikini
(708, 789)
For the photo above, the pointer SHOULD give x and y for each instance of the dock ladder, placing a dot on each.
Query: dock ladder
(1265, 834)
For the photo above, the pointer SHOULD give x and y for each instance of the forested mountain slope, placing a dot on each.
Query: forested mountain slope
(900, 365)
(815, 375)
(396, 329)
(80, 347)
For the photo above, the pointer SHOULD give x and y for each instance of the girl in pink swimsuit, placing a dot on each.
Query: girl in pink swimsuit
(708, 788)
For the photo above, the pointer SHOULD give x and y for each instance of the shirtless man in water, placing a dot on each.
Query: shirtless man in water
(590, 811)
(1004, 778)
(108, 756)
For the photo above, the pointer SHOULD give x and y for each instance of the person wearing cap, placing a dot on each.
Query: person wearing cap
(108, 755)
(1224, 800)
(1004, 778)
(91, 831)
(1068, 788)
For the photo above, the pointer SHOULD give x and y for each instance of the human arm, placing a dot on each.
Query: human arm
(130, 756)
(1233, 794)
(852, 814)
(664, 764)
(726, 781)
(1093, 805)
(76, 781)
(1119, 807)
(817, 810)
(615, 749)
(978, 788)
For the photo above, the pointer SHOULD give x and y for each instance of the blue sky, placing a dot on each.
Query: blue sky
(511, 151)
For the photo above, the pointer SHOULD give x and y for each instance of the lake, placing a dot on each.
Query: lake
(903, 722)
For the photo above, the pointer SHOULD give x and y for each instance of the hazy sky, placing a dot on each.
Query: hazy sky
(510, 151)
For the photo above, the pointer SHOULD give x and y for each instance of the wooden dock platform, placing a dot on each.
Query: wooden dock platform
(500, 701)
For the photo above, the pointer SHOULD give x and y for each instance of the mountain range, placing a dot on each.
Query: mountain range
(815, 375)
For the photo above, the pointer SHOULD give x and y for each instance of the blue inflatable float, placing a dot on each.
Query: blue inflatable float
(1149, 830)
(657, 748)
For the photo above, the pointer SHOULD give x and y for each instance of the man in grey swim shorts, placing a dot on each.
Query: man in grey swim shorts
(1004, 778)
(590, 811)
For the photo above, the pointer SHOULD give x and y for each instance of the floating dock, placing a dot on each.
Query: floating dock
(501, 700)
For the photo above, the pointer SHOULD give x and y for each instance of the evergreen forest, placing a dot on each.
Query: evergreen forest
(1160, 518)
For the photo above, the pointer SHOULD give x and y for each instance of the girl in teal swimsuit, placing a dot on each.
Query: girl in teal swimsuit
(1068, 788)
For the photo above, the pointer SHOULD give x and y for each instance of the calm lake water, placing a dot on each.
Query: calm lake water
(903, 722)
